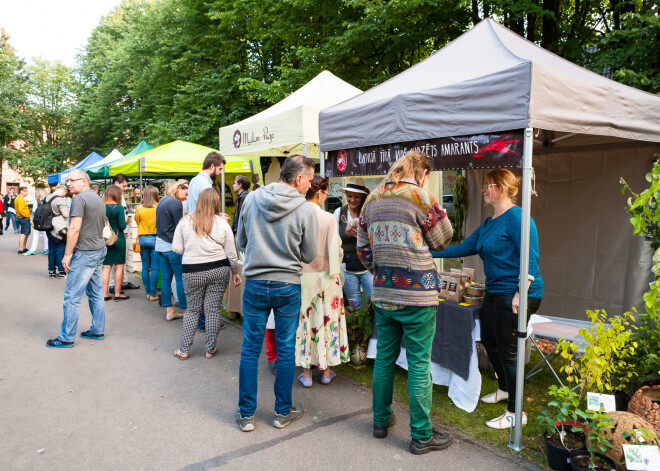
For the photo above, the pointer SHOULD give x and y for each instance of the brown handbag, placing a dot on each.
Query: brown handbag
(136, 247)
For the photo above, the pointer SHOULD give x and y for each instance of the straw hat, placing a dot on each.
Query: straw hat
(355, 185)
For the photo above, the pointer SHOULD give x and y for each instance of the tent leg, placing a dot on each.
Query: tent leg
(222, 189)
(522, 290)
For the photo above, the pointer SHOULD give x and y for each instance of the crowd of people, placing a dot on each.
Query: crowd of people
(302, 267)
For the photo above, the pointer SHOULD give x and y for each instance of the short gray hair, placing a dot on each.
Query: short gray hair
(79, 174)
(60, 187)
(295, 165)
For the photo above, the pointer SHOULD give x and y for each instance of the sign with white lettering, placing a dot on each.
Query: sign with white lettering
(499, 150)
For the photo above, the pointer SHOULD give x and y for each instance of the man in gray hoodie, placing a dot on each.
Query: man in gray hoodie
(277, 231)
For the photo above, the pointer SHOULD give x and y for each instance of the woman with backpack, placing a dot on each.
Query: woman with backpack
(116, 255)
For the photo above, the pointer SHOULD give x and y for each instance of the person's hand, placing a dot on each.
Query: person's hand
(352, 231)
(515, 304)
(224, 216)
(66, 263)
(237, 280)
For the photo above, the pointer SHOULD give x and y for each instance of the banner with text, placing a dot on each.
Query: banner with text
(499, 150)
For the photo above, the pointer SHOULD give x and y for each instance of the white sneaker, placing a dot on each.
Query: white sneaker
(505, 421)
(497, 396)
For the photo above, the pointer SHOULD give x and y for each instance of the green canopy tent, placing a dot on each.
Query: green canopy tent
(102, 169)
(178, 158)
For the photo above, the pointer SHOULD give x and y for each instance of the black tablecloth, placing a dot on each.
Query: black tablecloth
(452, 344)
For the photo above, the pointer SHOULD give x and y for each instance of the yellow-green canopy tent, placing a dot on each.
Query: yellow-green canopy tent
(179, 158)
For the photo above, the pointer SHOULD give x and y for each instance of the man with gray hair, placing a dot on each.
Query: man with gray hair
(83, 258)
(277, 231)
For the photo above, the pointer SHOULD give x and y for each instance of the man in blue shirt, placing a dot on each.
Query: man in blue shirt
(212, 167)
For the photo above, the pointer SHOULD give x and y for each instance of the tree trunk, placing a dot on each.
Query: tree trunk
(475, 12)
(531, 27)
(549, 28)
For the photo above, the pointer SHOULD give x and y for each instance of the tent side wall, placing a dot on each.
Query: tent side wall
(589, 257)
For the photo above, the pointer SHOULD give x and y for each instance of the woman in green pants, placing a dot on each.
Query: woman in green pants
(401, 222)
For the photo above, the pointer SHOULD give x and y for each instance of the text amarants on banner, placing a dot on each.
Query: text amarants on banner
(499, 150)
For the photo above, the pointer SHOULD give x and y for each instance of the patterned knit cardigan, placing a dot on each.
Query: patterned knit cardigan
(398, 228)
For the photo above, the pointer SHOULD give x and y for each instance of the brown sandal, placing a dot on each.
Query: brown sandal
(180, 355)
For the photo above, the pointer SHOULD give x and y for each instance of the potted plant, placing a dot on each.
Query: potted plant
(597, 423)
(359, 326)
(559, 419)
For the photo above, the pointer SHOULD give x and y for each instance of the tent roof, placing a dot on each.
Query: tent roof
(177, 158)
(285, 126)
(490, 80)
(102, 169)
(88, 161)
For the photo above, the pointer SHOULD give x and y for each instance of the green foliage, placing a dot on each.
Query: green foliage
(359, 324)
(561, 408)
(597, 423)
(640, 436)
(605, 365)
(12, 97)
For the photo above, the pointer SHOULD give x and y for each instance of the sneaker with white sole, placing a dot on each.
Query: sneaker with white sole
(246, 424)
(506, 421)
(294, 414)
(497, 396)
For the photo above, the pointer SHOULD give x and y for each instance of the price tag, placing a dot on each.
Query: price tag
(595, 401)
(642, 457)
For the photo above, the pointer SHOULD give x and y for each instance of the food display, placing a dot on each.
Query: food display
(459, 286)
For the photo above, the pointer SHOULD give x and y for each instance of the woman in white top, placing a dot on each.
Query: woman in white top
(209, 255)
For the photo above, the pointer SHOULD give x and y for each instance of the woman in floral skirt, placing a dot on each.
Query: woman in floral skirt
(321, 338)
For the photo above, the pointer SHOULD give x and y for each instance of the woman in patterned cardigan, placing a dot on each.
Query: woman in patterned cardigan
(401, 222)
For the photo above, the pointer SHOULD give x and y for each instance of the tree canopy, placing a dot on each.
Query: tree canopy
(162, 70)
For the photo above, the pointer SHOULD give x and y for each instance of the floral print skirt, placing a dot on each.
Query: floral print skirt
(321, 338)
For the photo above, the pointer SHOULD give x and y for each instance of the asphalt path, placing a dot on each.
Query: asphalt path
(127, 403)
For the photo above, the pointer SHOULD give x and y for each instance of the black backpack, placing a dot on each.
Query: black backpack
(43, 216)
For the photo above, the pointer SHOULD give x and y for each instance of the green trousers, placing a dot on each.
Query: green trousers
(417, 327)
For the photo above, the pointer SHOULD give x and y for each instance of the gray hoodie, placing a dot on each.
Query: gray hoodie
(277, 231)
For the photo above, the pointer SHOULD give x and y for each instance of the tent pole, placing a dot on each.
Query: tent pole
(222, 189)
(522, 290)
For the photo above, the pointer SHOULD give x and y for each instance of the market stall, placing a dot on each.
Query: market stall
(102, 168)
(88, 161)
(491, 99)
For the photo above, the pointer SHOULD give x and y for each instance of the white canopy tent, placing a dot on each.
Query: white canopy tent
(290, 126)
(490, 99)
(113, 156)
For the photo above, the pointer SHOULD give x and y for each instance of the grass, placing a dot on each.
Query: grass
(443, 411)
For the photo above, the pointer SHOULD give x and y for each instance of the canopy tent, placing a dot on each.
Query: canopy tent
(88, 161)
(290, 126)
(98, 170)
(102, 169)
(177, 158)
(490, 99)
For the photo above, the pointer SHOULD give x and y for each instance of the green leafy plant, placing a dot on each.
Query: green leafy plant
(460, 205)
(563, 407)
(359, 324)
(640, 436)
(597, 422)
(604, 365)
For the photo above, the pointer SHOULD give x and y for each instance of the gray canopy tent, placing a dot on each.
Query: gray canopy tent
(491, 99)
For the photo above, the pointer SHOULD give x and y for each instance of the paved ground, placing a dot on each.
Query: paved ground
(127, 403)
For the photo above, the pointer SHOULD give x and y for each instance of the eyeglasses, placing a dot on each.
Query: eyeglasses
(71, 180)
(485, 186)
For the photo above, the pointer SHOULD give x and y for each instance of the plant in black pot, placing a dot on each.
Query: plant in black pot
(597, 422)
(559, 419)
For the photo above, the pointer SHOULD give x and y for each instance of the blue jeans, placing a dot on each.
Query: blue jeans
(170, 264)
(24, 226)
(14, 222)
(352, 283)
(84, 277)
(259, 297)
(55, 252)
(150, 263)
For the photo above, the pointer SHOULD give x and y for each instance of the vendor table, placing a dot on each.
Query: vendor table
(454, 361)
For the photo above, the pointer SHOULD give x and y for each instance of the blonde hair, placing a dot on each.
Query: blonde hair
(173, 185)
(412, 165)
(203, 218)
(505, 181)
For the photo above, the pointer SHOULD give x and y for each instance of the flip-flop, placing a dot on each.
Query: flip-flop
(180, 356)
(326, 379)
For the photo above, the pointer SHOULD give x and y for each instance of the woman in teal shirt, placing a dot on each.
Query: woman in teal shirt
(497, 241)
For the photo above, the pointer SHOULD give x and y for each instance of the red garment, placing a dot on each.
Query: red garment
(2, 207)
(271, 349)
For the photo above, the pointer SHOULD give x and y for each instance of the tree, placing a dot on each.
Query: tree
(12, 99)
